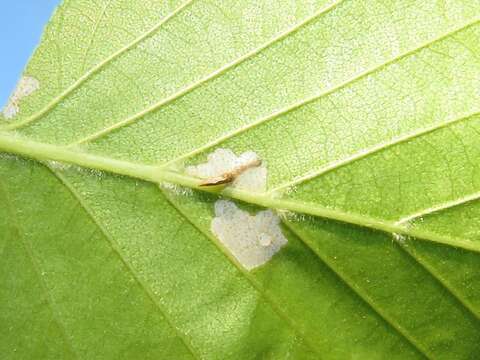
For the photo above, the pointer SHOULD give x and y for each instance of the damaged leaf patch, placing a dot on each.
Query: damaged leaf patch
(25, 87)
(252, 239)
(223, 167)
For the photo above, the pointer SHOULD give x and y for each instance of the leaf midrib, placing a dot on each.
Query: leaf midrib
(290, 322)
(274, 306)
(155, 174)
(352, 218)
(362, 295)
(333, 165)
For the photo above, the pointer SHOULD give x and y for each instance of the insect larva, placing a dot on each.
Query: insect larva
(231, 175)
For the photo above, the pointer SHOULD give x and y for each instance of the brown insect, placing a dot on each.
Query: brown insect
(231, 175)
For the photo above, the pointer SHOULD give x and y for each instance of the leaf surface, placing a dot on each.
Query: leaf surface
(366, 116)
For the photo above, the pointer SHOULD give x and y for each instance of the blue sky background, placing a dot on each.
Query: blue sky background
(21, 26)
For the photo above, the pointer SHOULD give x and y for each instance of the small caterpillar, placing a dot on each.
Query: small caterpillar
(231, 175)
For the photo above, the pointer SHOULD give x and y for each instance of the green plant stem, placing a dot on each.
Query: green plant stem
(47, 152)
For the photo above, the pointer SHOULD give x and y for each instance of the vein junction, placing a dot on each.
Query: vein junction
(47, 152)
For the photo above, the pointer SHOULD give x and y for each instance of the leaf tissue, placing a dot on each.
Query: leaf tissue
(200, 179)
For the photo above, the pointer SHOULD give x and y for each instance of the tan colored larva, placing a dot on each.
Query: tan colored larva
(231, 175)
(224, 167)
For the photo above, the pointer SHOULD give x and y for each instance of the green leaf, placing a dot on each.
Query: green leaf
(365, 115)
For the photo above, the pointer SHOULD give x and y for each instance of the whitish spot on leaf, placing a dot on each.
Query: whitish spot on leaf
(26, 86)
(223, 167)
(400, 238)
(58, 165)
(252, 239)
(176, 189)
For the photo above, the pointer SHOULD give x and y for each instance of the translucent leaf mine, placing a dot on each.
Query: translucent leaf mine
(252, 239)
(25, 87)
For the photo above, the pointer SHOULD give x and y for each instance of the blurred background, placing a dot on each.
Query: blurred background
(21, 26)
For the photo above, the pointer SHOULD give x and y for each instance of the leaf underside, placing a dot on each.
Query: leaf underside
(366, 114)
